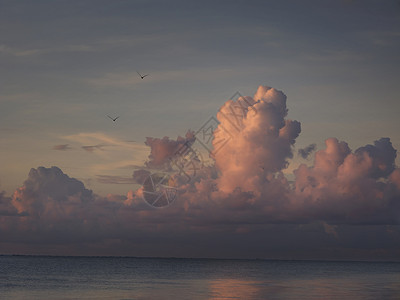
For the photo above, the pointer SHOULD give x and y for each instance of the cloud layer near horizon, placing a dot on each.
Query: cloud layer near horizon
(243, 195)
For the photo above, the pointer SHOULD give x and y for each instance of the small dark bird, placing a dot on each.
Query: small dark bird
(142, 76)
(114, 119)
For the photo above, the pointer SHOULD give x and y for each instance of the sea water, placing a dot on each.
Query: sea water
(45, 277)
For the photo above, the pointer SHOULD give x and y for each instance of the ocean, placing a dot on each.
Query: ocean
(49, 277)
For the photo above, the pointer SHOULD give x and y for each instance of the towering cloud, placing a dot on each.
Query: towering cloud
(240, 197)
(341, 187)
(261, 140)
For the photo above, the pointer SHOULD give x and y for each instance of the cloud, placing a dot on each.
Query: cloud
(112, 179)
(124, 154)
(383, 157)
(163, 150)
(46, 190)
(92, 148)
(242, 199)
(18, 52)
(305, 152)
(246, 181)
(139, 176)
(262, 140)
(99, 138)
(62, 147)
(6, 208)
(343, 186)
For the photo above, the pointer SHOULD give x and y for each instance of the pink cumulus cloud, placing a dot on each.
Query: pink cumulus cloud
(350, 187)
(162, 150)
(241, 198)
(261, 147)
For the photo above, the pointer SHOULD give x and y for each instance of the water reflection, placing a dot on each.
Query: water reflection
(134, 278)
(375, 287)
(233, 289)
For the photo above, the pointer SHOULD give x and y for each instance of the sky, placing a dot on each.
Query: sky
(308, 171)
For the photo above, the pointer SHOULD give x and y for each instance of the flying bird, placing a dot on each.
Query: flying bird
(114, 119)
(142, 76)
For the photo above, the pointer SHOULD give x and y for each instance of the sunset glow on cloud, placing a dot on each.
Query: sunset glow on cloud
(241, 198)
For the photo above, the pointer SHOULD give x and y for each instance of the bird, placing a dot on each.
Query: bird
(114, 119)
(142, 76)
